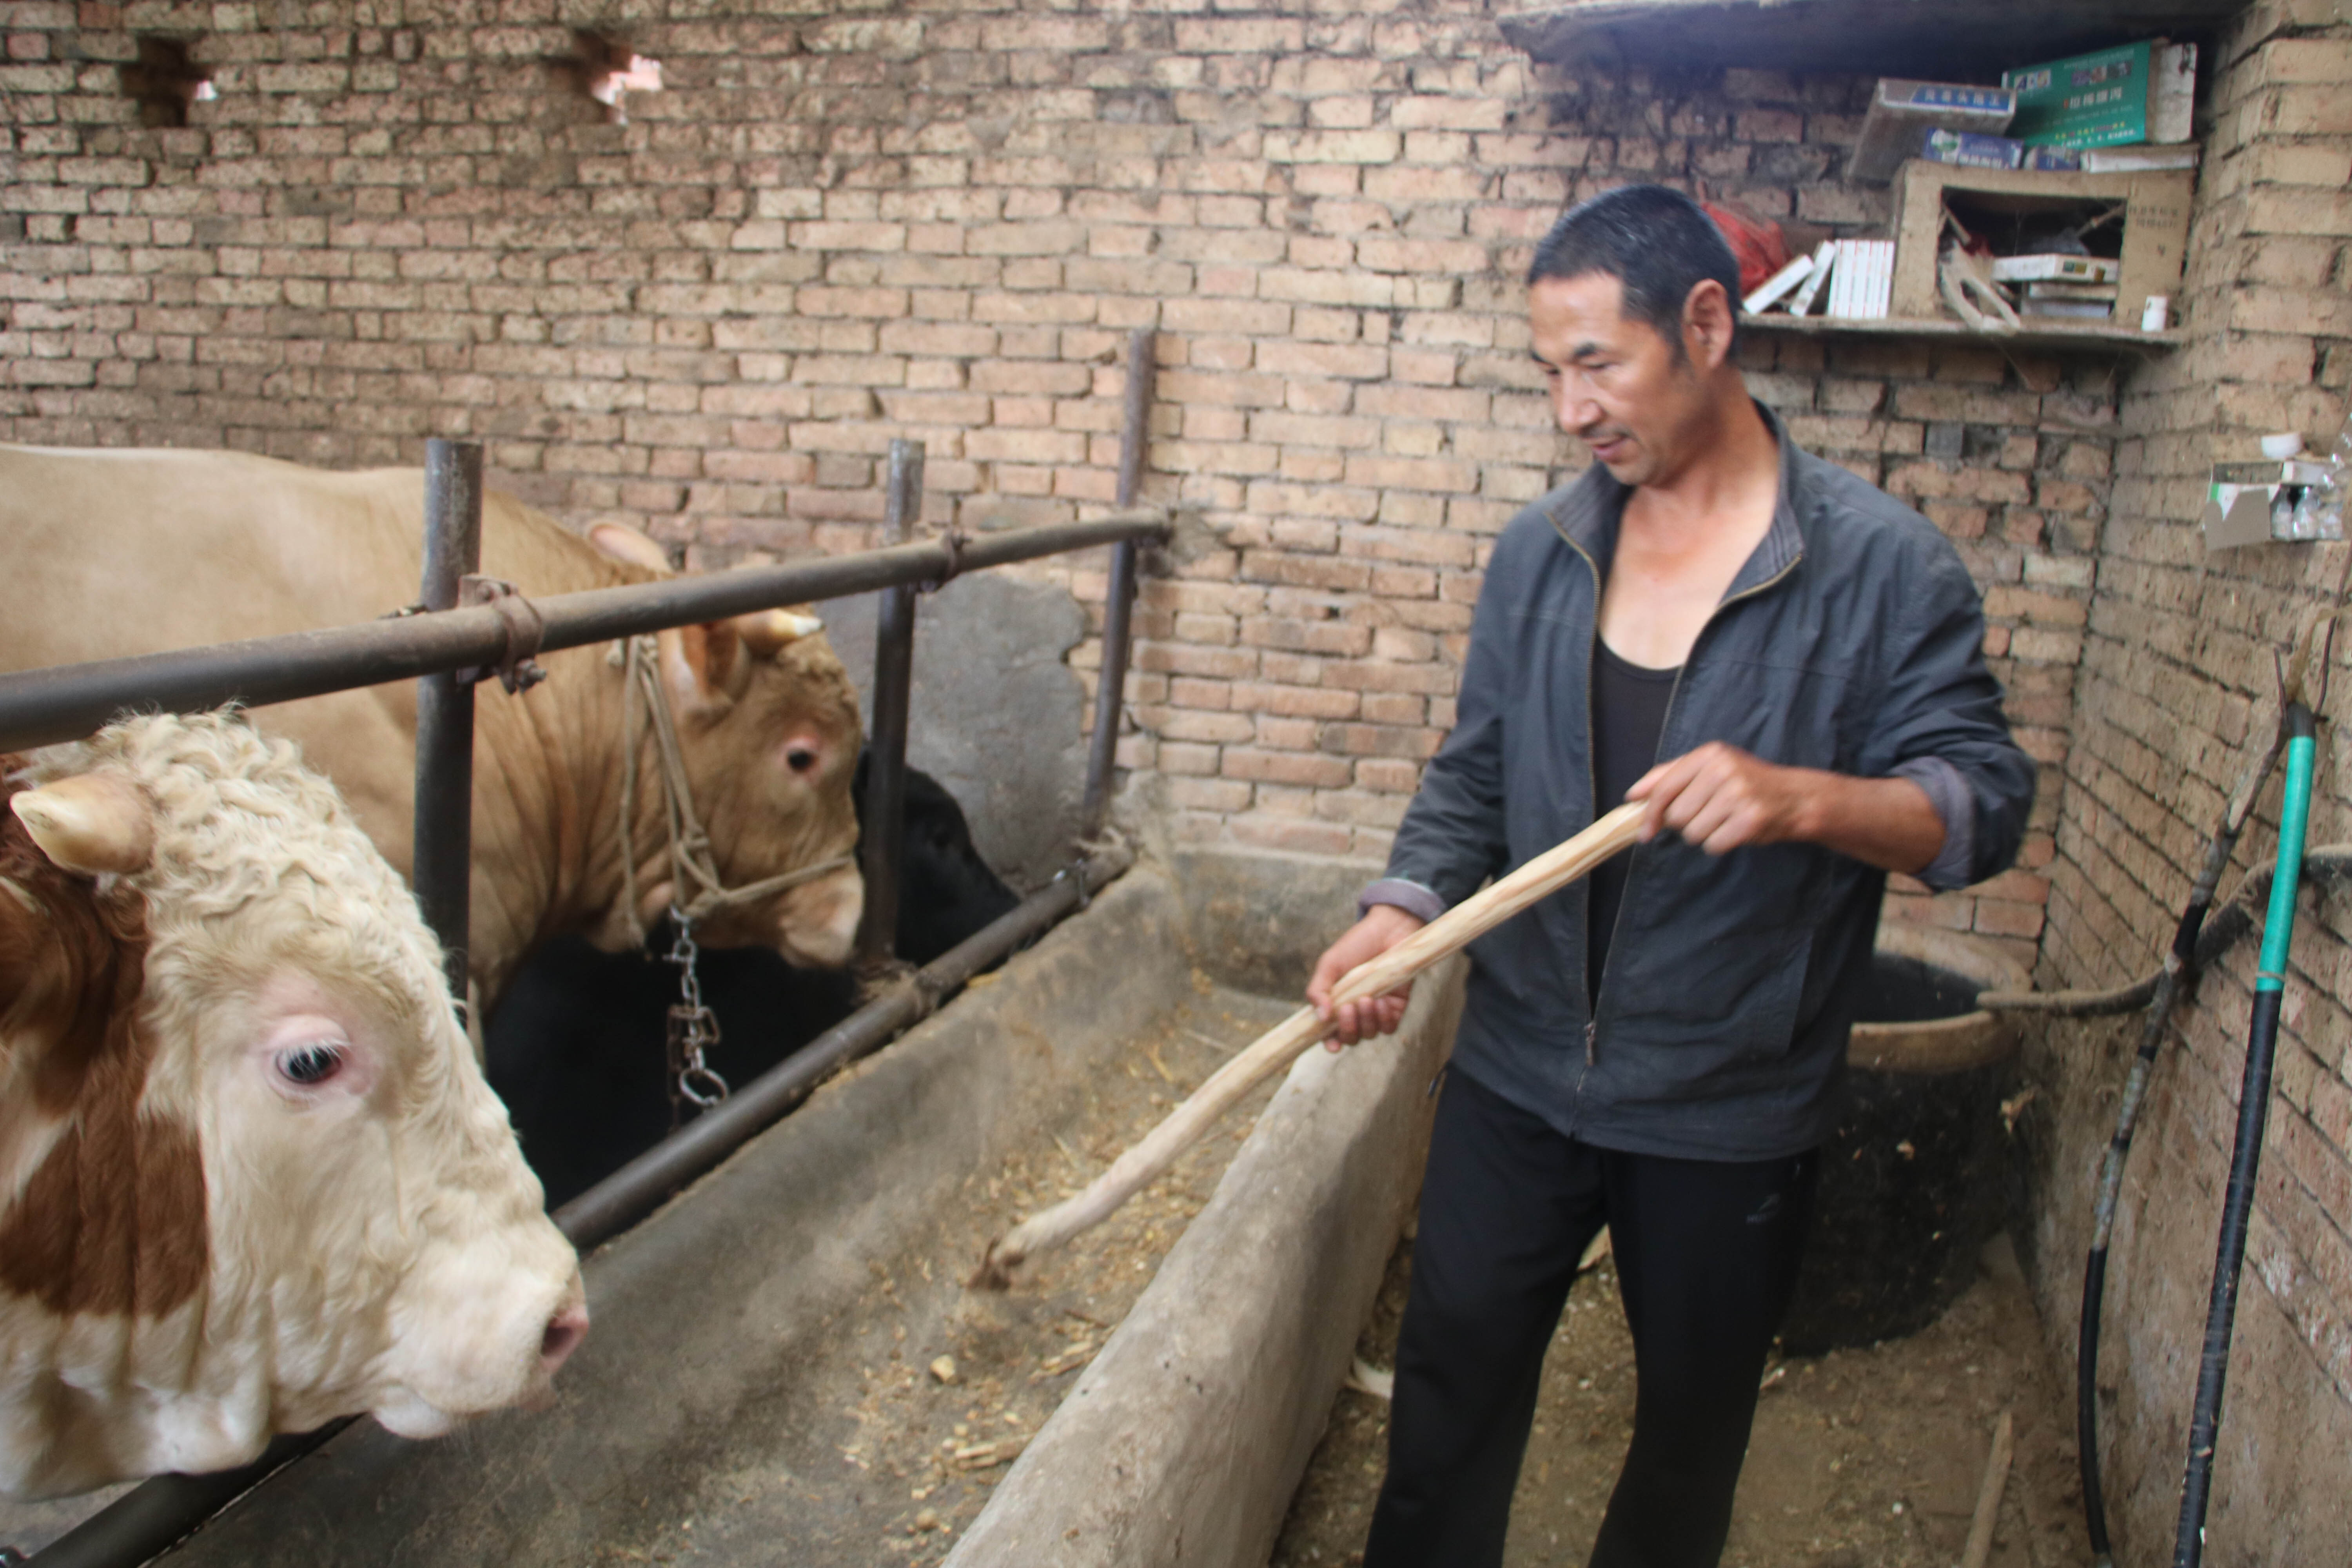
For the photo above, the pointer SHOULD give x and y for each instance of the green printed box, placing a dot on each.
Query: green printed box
(2090, 100)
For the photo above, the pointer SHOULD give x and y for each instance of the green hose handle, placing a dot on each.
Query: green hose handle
(2295, 816)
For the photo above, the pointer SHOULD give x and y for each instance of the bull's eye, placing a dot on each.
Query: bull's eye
(800, 759)
(312, 1064)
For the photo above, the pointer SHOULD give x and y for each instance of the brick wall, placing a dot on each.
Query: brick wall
(404, 217)
(408, 219)
(2175, 684)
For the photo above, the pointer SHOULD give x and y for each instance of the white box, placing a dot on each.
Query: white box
(2171, 93)
(1824, 260)
(1770, 292)
(2056, 270)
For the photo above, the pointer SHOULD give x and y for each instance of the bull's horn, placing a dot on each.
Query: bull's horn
(619, 542)
(765, 631)
(88, 823)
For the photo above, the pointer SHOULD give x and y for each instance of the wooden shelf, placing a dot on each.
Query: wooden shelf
(1942, 40)
(2088, 335)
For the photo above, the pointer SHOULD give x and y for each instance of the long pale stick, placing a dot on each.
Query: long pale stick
(1279, 1046)
(1996, 1476)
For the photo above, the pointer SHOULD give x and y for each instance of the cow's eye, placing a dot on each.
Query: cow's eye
(800, 759)
(311, 1065)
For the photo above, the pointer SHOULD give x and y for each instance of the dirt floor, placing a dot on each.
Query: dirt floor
(1860, 1459)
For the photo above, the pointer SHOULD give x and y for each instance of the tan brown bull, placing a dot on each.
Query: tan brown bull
(118, 553)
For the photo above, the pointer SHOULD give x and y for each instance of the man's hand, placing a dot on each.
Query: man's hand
(1720, 798)
(1383, 927)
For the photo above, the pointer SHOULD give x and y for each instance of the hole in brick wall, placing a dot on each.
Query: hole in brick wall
(163, 81)
(611, 70)
(1139, 106)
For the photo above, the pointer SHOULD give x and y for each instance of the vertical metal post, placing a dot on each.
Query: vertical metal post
(884, 835)
(1119, 597)
(443, 842)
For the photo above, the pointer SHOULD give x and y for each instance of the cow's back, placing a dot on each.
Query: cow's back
(116, 553)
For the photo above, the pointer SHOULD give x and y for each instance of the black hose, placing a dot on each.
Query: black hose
(2180, 964)
(2253, 1115)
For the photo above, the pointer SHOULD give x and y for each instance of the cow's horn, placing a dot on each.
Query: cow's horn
(765, 631)
(88, 823)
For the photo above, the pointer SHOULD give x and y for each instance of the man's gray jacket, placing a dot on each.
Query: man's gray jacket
(1852, 641)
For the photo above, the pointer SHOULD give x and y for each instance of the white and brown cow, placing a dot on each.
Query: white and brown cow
(118, 553)
(250, 1175)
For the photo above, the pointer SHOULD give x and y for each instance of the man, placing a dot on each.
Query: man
(1659, 1048)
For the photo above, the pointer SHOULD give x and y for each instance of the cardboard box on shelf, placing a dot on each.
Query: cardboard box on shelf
(2155, 228)
(2172, 96)
(2098, 100)
(2067, 309)
(2056, 270)
(2129, 160)
(1902, 113)
(1968, 150)
(2143, 91)
(2100, 293)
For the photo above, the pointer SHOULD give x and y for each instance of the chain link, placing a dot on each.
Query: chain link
(693, 1030)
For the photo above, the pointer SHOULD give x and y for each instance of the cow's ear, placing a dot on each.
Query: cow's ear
(715, 661)
(90, 823)
(619, 542)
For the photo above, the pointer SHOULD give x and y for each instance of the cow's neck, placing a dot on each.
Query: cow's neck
(601, 897)
(564, 749)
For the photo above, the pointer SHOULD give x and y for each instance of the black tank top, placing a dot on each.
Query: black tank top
(1629, 712)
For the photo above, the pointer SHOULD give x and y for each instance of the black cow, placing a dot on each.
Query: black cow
(576, 1045)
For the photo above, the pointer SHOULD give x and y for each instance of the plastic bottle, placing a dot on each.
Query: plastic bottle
(2329, 503)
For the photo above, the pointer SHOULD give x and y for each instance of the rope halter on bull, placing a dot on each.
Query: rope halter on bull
(693, 1029)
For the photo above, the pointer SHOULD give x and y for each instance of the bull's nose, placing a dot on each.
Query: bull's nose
(565, 1332)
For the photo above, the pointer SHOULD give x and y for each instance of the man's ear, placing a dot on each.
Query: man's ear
(1709, 320)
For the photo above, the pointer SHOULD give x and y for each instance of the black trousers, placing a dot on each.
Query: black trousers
(1707, 1255)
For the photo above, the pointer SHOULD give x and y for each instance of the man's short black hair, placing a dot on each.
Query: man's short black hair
(1655, 242)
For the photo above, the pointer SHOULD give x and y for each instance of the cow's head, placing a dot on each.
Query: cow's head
(250, 1175)
(767, 720)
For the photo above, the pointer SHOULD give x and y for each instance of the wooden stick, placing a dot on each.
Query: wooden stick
(1279, 1046)
(1996, 1476)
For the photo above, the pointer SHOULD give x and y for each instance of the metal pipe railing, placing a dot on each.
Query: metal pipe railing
(1118, 595)
(44, 706)
(64, 702)
(883, 838)
(442, 837)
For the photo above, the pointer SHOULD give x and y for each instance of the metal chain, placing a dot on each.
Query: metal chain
(693, 1030)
